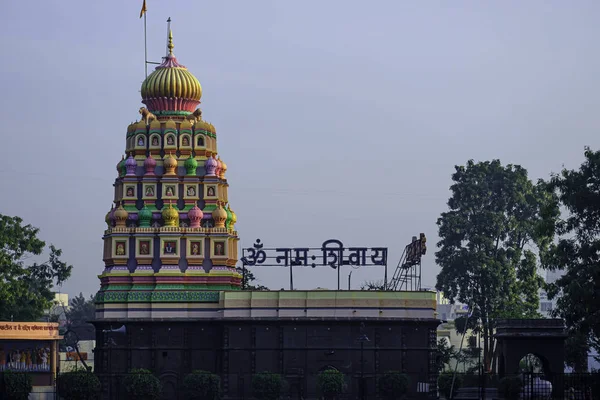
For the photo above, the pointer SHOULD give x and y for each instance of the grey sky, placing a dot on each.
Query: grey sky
(337, 119)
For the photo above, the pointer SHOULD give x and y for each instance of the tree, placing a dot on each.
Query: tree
(267, 386)
(78, 384)
(445, 353)
(394, 385)
(372, 285)
(577, 252)
(498, 224)
(77, 326)
(248, 278)
(202, 385)
(140, 384)
(26, 291)
(331, 383)
(577, 348)
(16, 385)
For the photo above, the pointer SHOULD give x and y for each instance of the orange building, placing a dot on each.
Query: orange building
(31, 347)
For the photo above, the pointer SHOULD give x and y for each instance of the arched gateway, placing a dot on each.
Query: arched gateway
(544, 338)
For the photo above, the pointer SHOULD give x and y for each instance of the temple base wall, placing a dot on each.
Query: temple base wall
(296, 334)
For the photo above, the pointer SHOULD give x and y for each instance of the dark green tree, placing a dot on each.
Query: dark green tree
(15, 385)
(141, 384)
(393, 385)
(78, 384)
(81, 310)
(577, 252)
(372, 285)
(77, 326)
(26, 290)
(498, 224)
(202, 385)
(267, 386)
(577, 348)
(248, 280)
(445, 354)
(331, 383)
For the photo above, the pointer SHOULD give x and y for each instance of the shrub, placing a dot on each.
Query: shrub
(266, 386)
(510, 387)
(331, 383)
(78, 385)
(140, 384)
(393, 385)
(17, 385)
(202, 385)
(445, 383)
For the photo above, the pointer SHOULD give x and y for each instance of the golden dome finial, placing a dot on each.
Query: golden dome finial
(170, 45)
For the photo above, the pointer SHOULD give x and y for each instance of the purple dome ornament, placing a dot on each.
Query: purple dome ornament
(130, 165)
(195, 215)
(210, 165)
(111, 216)
(149, 164)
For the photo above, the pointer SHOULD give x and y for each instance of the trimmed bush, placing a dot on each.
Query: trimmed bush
(393, 385)
(16, 385)
(78, 384)
(140, 384)
(445, 383)
(267, 386)
(331, 383)
(202, 385)
(510, 387)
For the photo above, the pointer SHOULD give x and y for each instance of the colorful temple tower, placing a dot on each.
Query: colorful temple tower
(170, 233)
(170, 298)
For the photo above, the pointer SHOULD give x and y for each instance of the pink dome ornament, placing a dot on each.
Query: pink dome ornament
(219, 167)
(149, 165)
(195, 215)
(130, 165)
(210, 166)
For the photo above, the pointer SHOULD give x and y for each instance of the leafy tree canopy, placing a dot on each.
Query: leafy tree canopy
(372, 285)
(81, 310)
(26, 290)
(248, 280)
(577, 251)
(498, 224)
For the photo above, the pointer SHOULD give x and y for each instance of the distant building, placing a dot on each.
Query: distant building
(448, 313)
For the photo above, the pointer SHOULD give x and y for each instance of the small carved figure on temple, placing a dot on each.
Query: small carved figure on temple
(147, 115)
(195, 116)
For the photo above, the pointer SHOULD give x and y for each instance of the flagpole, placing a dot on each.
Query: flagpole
(145, 48)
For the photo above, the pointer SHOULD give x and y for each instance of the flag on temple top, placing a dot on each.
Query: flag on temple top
(144, 9)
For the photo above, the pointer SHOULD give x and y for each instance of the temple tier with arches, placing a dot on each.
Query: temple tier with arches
(170, 233)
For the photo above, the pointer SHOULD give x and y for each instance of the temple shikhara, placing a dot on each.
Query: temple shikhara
(170, 297)
(171, 232)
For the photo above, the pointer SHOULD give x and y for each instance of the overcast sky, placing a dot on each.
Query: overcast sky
(337, 119)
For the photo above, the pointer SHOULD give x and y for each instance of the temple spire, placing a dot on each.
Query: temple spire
(170, 45)
(169, 38)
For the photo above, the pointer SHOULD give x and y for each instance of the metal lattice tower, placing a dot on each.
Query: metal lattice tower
(407, 275)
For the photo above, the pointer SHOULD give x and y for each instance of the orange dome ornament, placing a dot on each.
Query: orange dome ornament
(219, 216)
(170, 164)
(121, 216)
